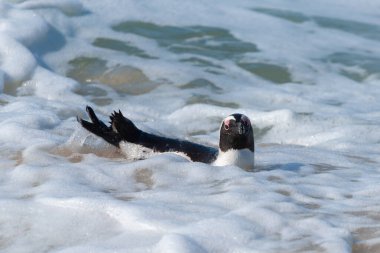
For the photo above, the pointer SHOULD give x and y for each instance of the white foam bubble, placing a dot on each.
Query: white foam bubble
(14, 22)
(15, 70)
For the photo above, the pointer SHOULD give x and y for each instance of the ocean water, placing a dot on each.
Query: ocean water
(307, 73)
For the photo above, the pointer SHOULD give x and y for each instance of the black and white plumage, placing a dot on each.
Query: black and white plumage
(236, 144)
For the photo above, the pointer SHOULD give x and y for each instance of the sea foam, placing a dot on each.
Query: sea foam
(306, 74)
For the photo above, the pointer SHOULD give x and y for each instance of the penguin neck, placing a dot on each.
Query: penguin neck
(243, 158)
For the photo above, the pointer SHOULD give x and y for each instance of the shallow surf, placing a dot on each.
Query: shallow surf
(305, 73)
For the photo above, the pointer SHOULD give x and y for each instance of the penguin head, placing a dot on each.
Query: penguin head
(236, 133)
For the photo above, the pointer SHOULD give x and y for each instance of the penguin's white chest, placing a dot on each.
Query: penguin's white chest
(243, 158)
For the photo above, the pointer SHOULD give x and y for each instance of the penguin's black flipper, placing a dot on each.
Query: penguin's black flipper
(94, 118)
(125, 128)
(100, 129)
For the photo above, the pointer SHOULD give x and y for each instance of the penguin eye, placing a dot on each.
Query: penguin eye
(226, 127)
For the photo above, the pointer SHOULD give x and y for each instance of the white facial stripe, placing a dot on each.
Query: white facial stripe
(229, 118)
(226, 121)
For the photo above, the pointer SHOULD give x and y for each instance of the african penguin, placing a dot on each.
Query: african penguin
(236, 143)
